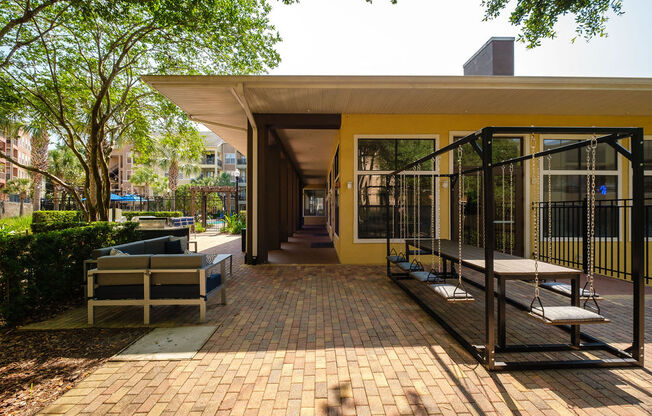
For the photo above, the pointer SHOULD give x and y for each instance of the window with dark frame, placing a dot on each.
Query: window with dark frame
(376, 158)
(313, 202)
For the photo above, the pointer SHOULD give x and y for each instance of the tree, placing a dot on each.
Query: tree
(537, 19)
(63, 164)
(40, 141)
(178, 148)
(144, 176)
(83, 75)
(224, 179)
(18, 20)
(20, 187)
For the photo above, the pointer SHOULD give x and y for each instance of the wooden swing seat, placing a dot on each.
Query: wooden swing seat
(425, 276)
(452, 293)
(565, 289)
(566, 315)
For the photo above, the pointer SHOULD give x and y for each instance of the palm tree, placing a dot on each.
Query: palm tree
(144, 176)
(63, 164)
(21, 187)
(40, 140)
(168, 157)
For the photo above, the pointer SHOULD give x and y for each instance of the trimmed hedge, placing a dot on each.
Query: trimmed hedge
(42, 273)
(43, 221)
(160, 214)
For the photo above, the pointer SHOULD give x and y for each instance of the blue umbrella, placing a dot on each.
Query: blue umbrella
(114, 197)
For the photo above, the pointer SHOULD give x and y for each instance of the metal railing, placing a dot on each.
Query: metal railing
(564, 241)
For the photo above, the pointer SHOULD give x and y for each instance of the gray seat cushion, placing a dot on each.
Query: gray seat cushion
(180, 262)
(425, 276)
(156, 245)
(451, 292)
(408, 266)
(396, 259)
(135, 262)
(565, 289)
(561, 315)
(184, 241)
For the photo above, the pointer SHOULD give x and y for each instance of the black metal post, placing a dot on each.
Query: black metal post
(638, 244)
(388, 233)
(490, 320)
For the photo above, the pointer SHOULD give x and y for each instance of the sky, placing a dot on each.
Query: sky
(436, 37)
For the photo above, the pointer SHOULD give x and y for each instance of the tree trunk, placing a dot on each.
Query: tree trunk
(173, 179)
(174, 199)
(55, 197)
(20, 210)
(37, 179)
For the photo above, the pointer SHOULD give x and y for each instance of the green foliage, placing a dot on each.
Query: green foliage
(235, 223)
(199, 228)
(161, 214)
(82, 73)
(43, 221)
(15, 225)
(43, 272)
(18, 186)
(537, 19)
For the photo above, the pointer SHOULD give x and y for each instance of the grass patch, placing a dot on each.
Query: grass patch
(15, 225)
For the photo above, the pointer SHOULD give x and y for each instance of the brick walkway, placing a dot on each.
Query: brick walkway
(341, 340)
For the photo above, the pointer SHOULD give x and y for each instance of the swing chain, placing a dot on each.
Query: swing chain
(549, 242)
(460, 217)
(535, 182)
(504, 240)
(511, 208)
(590, 189)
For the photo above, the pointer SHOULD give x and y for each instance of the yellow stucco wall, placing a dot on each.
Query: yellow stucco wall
(350, 252)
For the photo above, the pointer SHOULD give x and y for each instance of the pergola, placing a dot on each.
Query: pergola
(205, 190)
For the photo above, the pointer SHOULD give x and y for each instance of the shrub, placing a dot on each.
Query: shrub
(41, 273)
(43, 221)
(235, 223)
(199, 228)
(161, 214)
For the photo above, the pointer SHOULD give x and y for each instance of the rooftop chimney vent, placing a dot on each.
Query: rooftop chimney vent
(496, 57)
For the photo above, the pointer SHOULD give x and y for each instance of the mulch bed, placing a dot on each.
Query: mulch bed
(36, 367)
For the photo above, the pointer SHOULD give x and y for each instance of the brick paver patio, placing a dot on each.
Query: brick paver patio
(343, 340)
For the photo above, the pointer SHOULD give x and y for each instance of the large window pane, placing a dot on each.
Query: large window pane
(573, 187)
(410, 150)
(376, 154)
(647, 151)
(605, 157)
(313, 203)
(503, 148)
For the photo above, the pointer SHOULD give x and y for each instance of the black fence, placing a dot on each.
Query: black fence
(563, 233)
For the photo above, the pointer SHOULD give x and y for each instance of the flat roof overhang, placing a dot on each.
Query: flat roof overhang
(223, 103)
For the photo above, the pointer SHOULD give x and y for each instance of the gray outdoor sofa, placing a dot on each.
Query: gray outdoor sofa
(146, 276)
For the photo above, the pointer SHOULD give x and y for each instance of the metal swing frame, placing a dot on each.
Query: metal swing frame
(494, 321)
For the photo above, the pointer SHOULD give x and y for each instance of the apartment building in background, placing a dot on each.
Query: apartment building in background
(218, 157)
(20, 149)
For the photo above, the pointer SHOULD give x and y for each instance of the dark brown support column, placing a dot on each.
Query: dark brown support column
(250, 180)
(638, 245)
(272, 196)
(261, 197)
(283, 199)
(290, 199)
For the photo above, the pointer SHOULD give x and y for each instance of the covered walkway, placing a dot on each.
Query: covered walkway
(309, 245)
